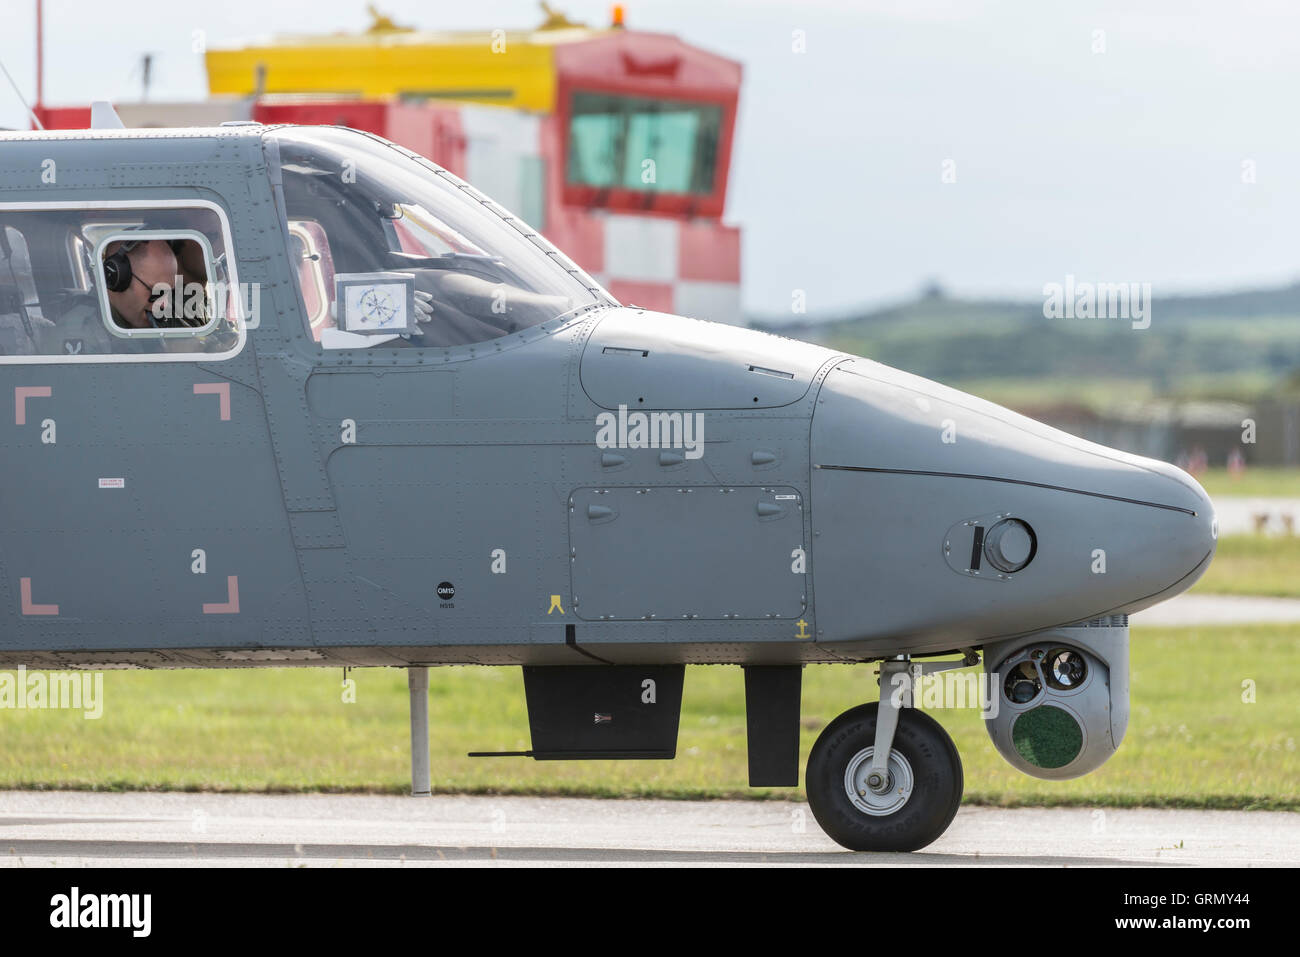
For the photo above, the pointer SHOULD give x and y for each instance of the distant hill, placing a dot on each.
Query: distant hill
(1227, 345)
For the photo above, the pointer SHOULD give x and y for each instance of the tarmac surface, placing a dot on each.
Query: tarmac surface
(1191, 609)
(315, 830)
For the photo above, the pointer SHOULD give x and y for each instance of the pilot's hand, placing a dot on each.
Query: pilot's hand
(423, 306)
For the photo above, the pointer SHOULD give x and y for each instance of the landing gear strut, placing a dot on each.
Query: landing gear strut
(884, 777)
(417, 682)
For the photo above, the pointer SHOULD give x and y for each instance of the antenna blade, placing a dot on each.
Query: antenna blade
(104, 117)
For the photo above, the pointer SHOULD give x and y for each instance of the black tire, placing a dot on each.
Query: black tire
(929, 809)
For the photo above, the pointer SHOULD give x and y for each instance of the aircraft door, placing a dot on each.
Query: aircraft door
(142, 507)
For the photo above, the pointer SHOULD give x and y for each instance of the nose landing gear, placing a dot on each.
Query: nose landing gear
(882, 777)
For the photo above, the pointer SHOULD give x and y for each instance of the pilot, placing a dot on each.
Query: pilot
(131, 271)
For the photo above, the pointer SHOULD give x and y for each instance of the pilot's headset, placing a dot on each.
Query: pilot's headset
(117, 268)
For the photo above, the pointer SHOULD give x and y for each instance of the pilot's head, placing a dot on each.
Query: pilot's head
(132, 270)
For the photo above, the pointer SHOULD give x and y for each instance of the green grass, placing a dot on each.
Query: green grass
(1261, 482)
(1192, 742)
(1254, 565)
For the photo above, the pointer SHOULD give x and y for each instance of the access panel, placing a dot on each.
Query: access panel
(608, 712)
(707, 552)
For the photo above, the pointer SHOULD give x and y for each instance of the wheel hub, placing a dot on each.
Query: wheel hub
(876, 794)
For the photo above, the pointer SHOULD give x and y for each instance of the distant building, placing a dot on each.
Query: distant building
(616, 144)
(1167, 429)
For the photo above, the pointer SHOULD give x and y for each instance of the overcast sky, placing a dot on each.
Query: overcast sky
(1117, 166)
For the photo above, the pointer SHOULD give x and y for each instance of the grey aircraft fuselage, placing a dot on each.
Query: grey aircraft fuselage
(470, 453)
(502, 503)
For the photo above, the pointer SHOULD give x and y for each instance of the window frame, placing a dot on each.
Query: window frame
(156, 332)
(232, 272)
(646, 202)
(421, 353)
(320, 286)
(626, 115)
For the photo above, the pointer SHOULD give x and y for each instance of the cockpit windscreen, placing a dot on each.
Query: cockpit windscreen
(358, 207)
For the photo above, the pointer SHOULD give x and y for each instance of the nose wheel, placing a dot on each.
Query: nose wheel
(879, 793)
(904, 806)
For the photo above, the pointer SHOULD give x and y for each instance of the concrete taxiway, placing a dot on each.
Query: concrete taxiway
(316, 830)
(1192, 609)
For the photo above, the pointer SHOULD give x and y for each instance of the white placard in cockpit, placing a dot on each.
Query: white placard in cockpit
(375, 303)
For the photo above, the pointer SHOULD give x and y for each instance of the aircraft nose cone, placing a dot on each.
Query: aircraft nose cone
(939, 514)
(1189, 540)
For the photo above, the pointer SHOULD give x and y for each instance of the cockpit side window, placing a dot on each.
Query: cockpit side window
(20, 308)
(388, 249)
(314, 267)
(125, 280)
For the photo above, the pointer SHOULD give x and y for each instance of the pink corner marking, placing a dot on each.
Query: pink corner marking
(231, 605)
(221, 389)
(24, 392)
(25, 587)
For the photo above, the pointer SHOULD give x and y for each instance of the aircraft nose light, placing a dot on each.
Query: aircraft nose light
(1009, 545)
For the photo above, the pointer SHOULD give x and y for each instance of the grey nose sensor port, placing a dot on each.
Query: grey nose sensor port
(1010, 545)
